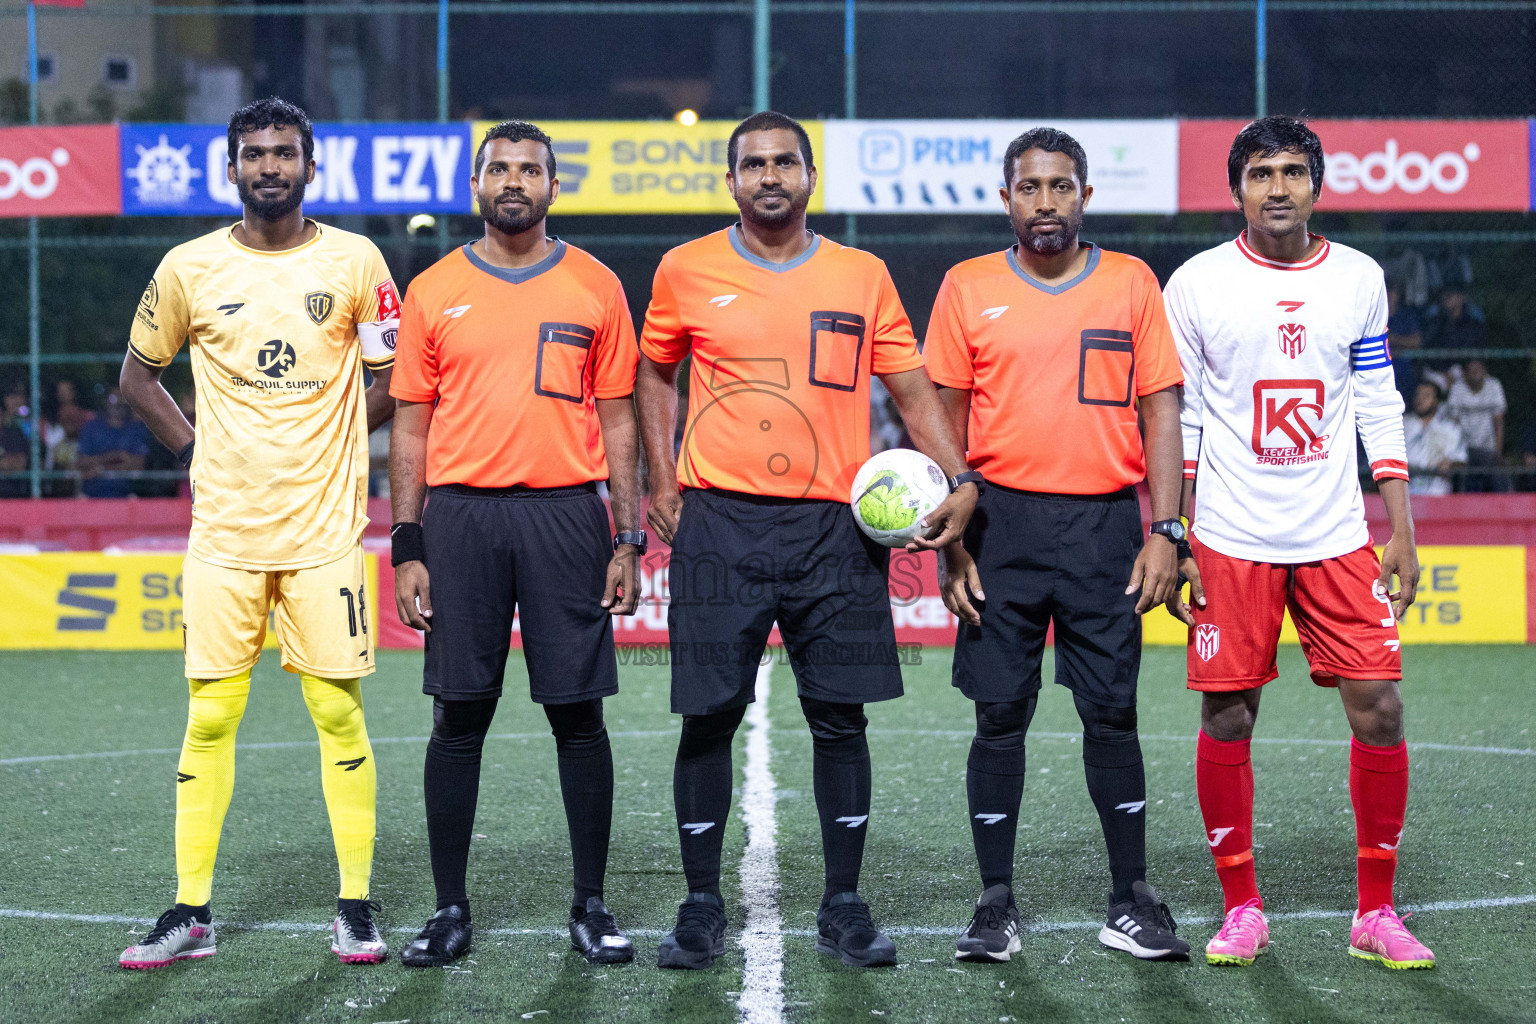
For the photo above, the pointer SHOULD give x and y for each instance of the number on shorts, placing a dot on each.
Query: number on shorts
(351, 610)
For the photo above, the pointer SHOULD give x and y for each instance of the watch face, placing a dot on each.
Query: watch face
(1178, 530)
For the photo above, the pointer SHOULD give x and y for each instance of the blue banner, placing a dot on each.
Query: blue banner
(411, 167)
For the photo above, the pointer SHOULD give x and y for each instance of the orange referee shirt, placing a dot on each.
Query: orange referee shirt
(1053, 371)
(514, 360)
(778, 400)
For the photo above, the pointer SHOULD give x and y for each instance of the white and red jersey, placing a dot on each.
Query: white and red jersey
(1284, 364)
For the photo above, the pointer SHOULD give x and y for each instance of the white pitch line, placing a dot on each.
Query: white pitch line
(1162, 738)
(899, 931)
(298, 744)
(762, 940)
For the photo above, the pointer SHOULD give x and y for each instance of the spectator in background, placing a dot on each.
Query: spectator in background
(1404, 334)
(1435, 445)
(69, 414)
(14, 447)
(1455, 321)
(1476, 402)
(111, 443)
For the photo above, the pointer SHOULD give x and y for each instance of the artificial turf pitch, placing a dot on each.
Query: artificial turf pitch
(87, 843)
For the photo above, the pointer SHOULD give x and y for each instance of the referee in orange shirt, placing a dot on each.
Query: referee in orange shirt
(1047, 355)
(785, 328)
(513, 373)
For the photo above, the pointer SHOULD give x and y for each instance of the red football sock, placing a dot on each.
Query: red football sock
(1378, 787)
(1224, 783)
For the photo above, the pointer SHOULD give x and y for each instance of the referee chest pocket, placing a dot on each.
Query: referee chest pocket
(562, 367)
(1106, 367)
(837, 341)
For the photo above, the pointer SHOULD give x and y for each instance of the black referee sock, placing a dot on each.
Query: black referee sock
(1117, 783)
(701, 794)
(451, 786)
(840, 772)
(586, 786)
(994, 785)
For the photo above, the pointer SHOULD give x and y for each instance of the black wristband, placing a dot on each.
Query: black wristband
(405, 544)
(185, 455)
(1184, 550)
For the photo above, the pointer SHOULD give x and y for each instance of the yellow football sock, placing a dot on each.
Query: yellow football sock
(346, 775)
(205, 780)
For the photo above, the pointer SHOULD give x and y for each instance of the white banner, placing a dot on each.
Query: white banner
(957, 166)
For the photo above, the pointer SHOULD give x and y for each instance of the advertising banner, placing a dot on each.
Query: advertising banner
(92, 601)
(1381, 165)
(418, 167)
(68, 171)
(646, 166)
(957, 166)
(1467, 595)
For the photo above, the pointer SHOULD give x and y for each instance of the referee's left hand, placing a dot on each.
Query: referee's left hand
(621, 591)
(946, 524)
(1156, 573)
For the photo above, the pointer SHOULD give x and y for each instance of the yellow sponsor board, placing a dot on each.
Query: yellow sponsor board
(91, 601)
(1467, 595)
(644, 166)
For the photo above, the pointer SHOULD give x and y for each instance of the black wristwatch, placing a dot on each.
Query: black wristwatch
(1173, 529)
(635, 537)
(968, 477)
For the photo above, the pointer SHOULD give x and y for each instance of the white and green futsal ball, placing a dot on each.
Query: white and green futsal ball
(893, 492)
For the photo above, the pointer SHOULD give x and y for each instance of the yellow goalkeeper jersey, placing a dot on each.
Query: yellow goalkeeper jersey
(278, 342)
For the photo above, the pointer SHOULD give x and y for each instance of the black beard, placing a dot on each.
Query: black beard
(777, 218)
(271, 209)
(1050, 245)
(513, 218)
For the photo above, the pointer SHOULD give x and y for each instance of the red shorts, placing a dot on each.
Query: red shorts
(1343, 616)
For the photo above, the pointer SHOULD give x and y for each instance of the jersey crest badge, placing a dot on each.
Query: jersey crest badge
(1207, 641)
(319, 305)
(1293, 339)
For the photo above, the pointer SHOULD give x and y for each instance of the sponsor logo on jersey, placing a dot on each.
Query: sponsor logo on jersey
(319, 305)
(230, 308)
(994, 312)
(1286, 417)
(721, 301)
(1290, 305)
(1207, 643)
(389, 301)
(1293, 339)
(454, 312)
(276, 357)
(145, 314)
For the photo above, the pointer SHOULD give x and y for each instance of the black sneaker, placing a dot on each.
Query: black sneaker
(844, 930)
(445, 938)
(596, 936)
(1143, 927)
(699, 935)
(993, 936)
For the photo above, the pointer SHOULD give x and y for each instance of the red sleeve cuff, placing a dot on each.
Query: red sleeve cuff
(1389, 469)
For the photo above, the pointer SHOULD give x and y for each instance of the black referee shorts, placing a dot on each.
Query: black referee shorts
(543, 552)
(740, 562)
(1044, 558)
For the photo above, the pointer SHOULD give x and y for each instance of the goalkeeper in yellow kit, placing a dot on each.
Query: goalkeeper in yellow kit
(281, 315)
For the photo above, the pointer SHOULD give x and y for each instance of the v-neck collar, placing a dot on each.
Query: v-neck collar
(1055, 289)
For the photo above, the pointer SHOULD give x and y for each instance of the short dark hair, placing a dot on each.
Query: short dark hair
(515, 131)
(1052, 140)
(767, 121)
(271, 112)
(1277, 133)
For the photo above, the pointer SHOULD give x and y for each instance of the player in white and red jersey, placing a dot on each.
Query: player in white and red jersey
(1283, 339)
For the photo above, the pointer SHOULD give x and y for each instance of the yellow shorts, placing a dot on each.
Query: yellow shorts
(321, 615)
